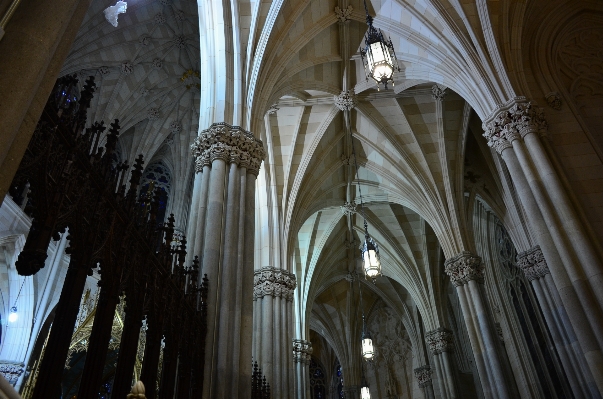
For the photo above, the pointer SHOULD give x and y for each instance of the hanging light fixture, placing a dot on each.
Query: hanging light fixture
(378, 55)
(370, 256)
(365, 392)
(368, 350)
(13, 315)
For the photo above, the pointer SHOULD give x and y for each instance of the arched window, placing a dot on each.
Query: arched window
(318, 388)
(162, 178)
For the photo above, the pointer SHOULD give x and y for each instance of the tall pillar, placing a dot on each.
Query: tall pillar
(441, 344)
(273, 302)
(575, 282)
(423, 376)
(536, 270)
(302, 350)
(466, 272)
(229, 159)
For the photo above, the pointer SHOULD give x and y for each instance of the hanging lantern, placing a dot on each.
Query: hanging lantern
(365, 393)
(370, 258)
(13, 315)
(378, 55)
(368, 351)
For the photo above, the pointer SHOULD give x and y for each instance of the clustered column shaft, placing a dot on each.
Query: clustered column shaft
(466, 272)
(423, 375)
(441, 343)
(227, 160)
(273, 301)
(302, 351)
(515, 131)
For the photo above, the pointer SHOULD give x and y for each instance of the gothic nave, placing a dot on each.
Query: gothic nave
(301, 199)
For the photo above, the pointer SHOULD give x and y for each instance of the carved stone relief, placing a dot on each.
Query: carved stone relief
(273, 282)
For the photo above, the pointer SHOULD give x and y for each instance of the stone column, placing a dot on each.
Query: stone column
(423, 375)
(466, 272)
(273, 312)
(229, 159)
(505, 131)
(441, 344)
(302, 350)
(536, 270)
(34, 47)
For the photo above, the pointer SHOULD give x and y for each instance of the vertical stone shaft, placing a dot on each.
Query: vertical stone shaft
(48, 384)
(99, 342)
(423, 375)
(229, 159)
(128, 349)
(534, 266)
(38, 38)
(466, 272)
(440, 342)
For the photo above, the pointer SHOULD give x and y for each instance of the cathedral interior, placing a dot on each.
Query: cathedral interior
(301, 199)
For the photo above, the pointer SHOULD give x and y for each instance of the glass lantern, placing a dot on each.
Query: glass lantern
(365, 393)
(368, 350)
(371, 262)
(378, 55)
(13, 315)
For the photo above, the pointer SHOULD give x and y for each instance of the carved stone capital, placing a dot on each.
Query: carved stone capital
(423, 375)
(270, 281)
(273, 109)
(349, 208)
(533, 264)
(440, 340)
(438, 92)
(513, 120)
(232, 144)
(302, 350)
(463, 268)
(346, 100)
(343, 15)
(11, 371)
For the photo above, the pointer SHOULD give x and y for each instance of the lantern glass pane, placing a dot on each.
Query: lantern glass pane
(372, 266)
(367, 348)
(365, 393)
(382, 66)
(13, 316)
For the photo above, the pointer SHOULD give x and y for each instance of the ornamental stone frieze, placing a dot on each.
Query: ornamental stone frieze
(343, 14)
(270, 281)
(533, 264)
(423, 375)
(232, 144)
(512, 121)
(302, 350)
(463, 268)
(348, 208)
(440, 340)
(346, 100)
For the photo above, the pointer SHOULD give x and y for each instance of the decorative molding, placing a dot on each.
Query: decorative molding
(533, 263)
(191, 78)
(273, 282)
(349, 208)
(346, 101)
(144, 40)
(159, 19)
(229, 143)
(345, 160)
(438, 92)
(423, 375)
(11, 371)
(513, 120)
(351, 276)
(302, 350)
(463, 268)
(273, 109)
(157, 63)
(499, 332)
(179, 41)
(175, 127)
(153, 114)
(343, 15)
(126, 68)
(440, 340)
(554, 100)
(103, 70)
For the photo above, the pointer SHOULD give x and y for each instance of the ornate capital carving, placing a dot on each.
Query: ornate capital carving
(513, 120)
(346, 100)
(438, 92)
(229, 143)
(463, 268)
(349, 208)
(11, 371)
(273, 282)
(423, 375)
(533, 264)
(343, 15)
(273, 109)
(302, 350)
(440, 340)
